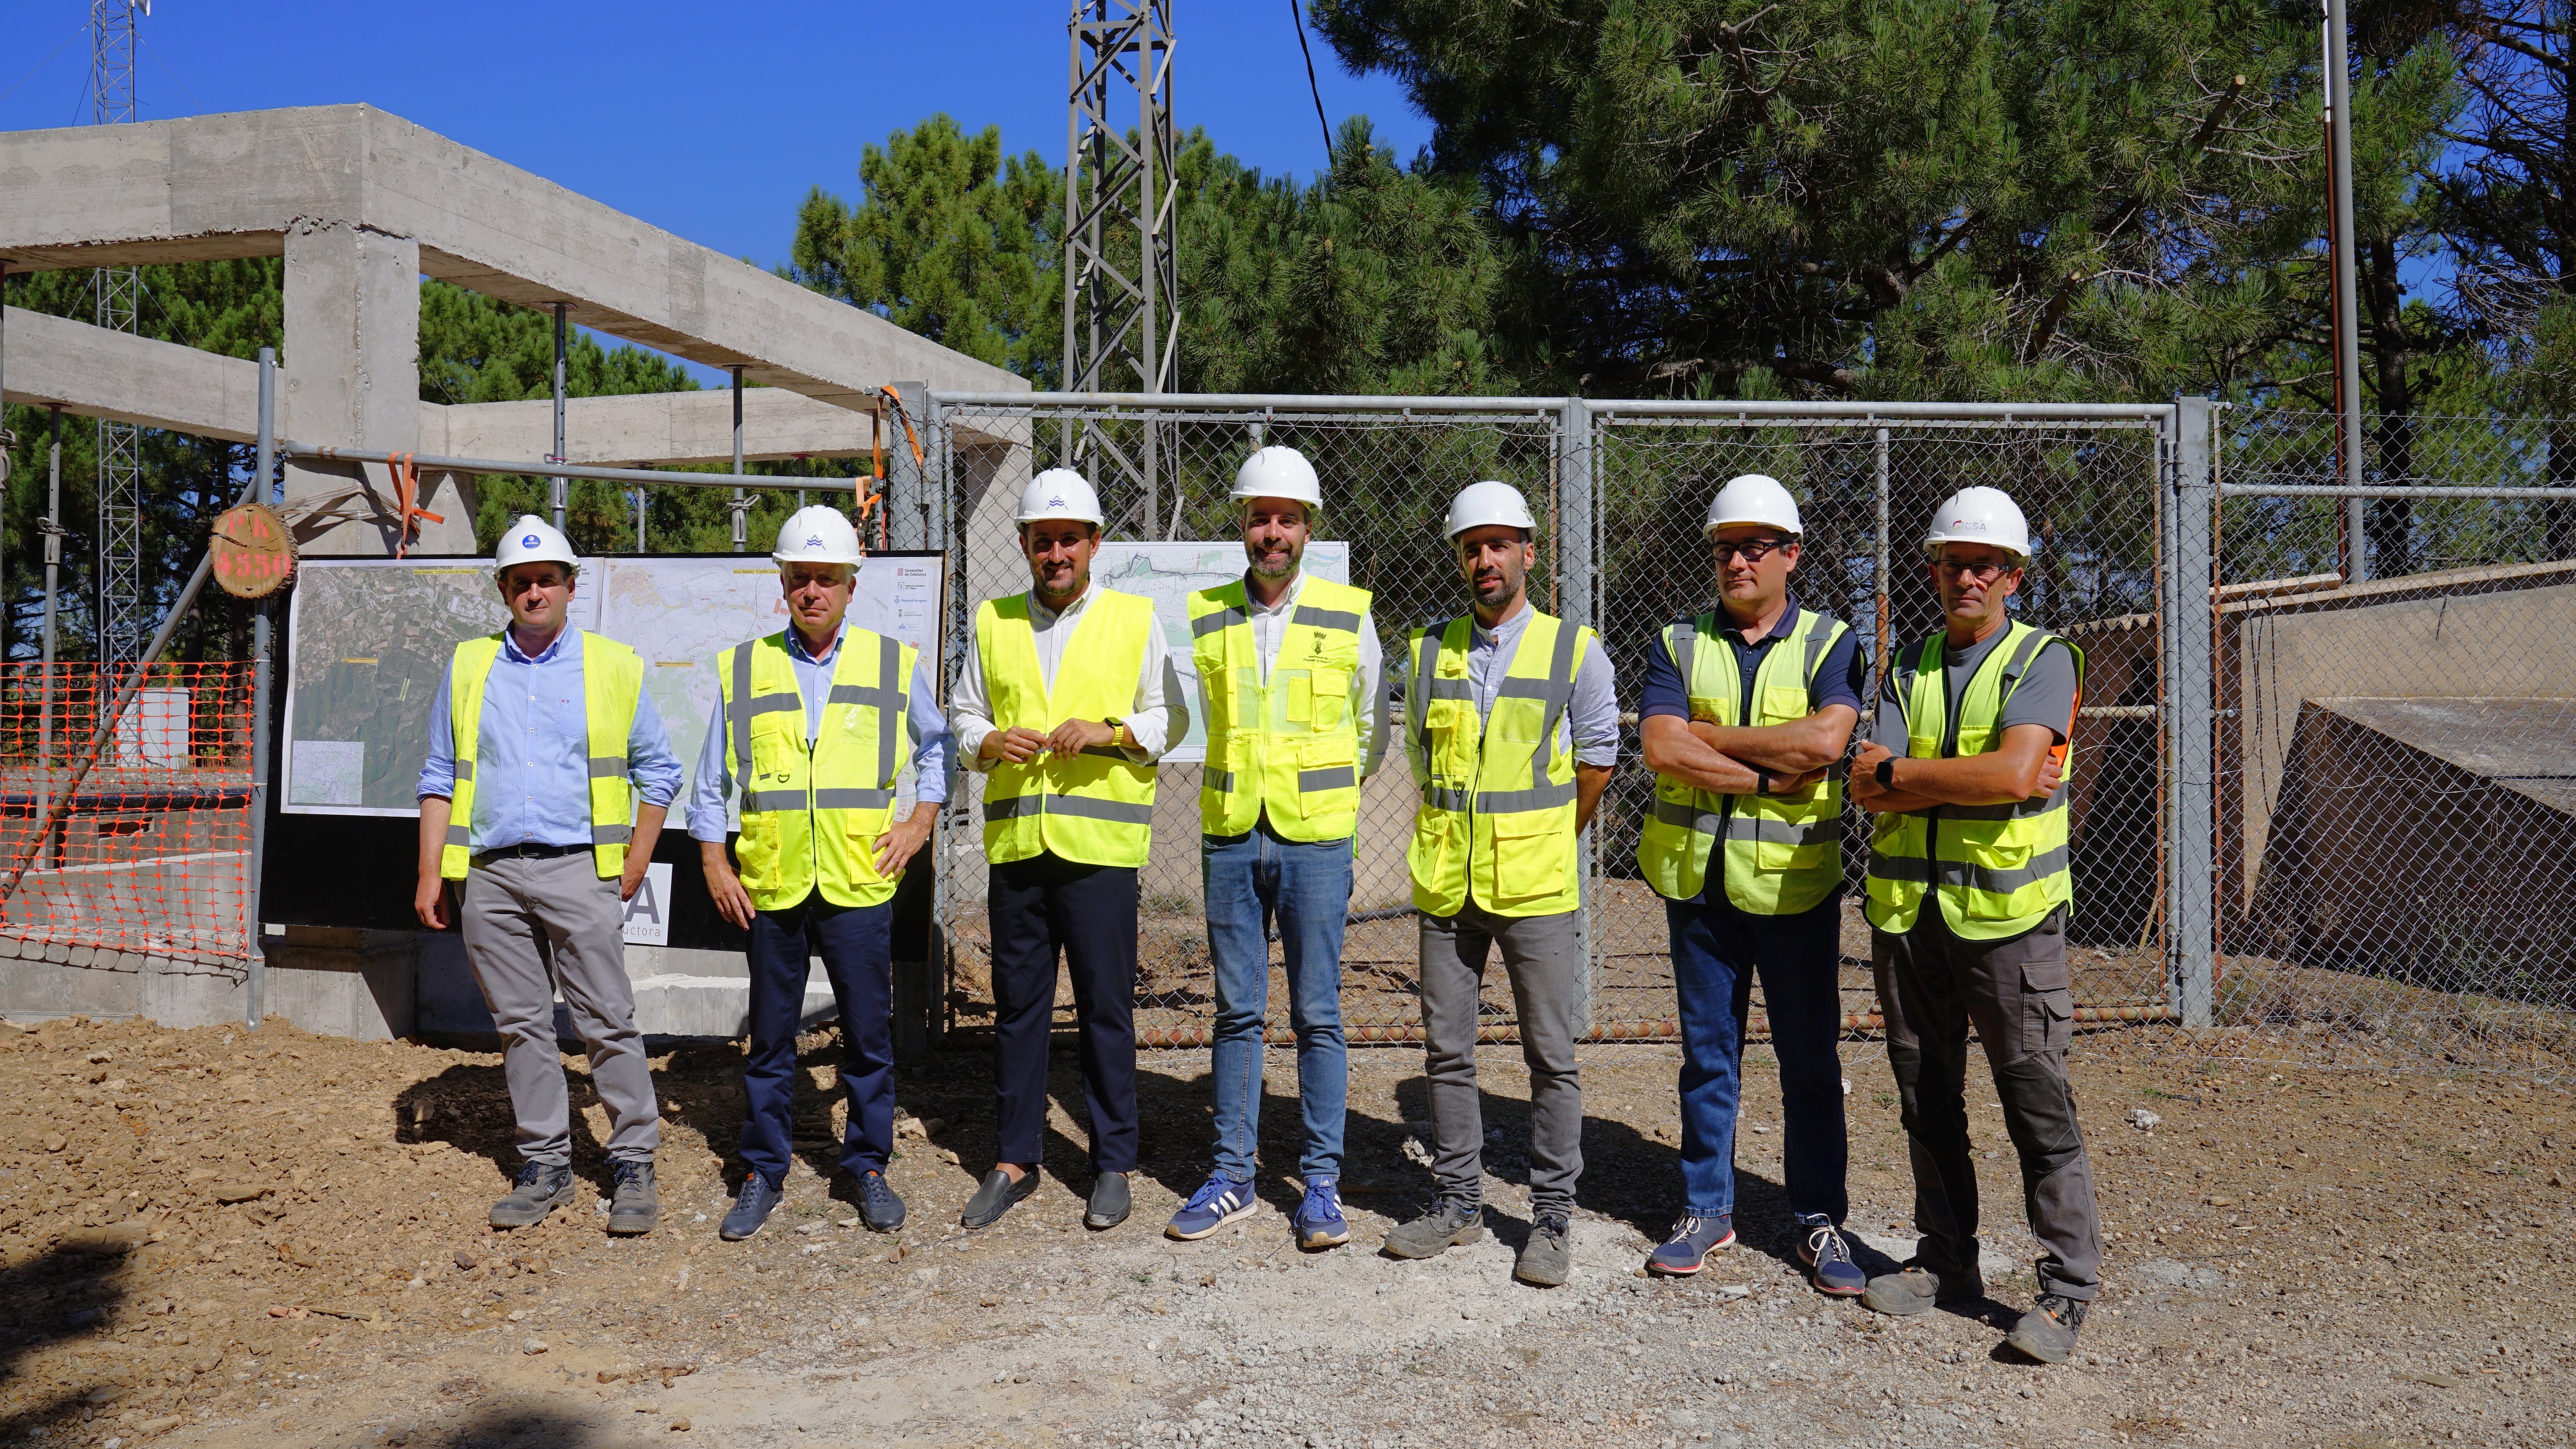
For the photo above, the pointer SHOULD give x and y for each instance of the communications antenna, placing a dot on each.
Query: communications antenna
(1121, 202)
(118, 292)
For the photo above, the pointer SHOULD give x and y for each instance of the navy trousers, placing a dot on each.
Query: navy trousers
(856, 944)
(1043, 908)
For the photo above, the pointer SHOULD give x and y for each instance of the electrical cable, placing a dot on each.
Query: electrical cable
(77, 32)
(1299, 16)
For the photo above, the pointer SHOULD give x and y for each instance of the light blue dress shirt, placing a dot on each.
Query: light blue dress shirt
(922, 719)
(532, 750)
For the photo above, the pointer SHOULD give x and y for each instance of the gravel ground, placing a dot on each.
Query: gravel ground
(251, 1239)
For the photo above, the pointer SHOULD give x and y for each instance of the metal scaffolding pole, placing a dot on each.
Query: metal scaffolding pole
(558, 491)
(263, 680)
(53, 531)
(2347, 305)
(741, 504)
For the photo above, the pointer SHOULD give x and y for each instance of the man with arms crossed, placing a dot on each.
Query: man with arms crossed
(525, 803)
(1512, 726)
(1288, 670)
(1745, 710)
(816, 723)
(1067, 699)
(1968, 890)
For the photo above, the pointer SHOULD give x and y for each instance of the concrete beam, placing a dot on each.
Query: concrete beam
(90, 371)
(235, 185)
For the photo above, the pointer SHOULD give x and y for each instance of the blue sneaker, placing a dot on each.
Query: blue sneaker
(751, 1207)
(1829, 1259)
(1222, 1200)
(1691, 1241)
(1319, 1216)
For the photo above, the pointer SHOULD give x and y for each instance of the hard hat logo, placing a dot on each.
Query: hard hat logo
(1981, 515)
(527, 540)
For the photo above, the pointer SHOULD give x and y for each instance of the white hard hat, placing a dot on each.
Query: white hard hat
(1489, 502)
(1059, 493)
(1753, 498)
(818, 533)
(533, 540)
(1980, 515)
(1277, 472)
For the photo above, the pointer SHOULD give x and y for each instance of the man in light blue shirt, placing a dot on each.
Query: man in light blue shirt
(821, 850)
(554, 838)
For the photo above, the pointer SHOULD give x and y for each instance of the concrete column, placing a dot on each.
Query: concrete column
(351, 378)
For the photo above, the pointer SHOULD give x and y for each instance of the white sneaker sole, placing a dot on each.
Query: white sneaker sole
(1236, 1216)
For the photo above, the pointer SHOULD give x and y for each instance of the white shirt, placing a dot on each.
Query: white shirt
(1161, 713)
(1270, 628)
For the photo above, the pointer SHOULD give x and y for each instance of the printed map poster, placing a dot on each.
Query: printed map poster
(1168, 573)
(369, 642)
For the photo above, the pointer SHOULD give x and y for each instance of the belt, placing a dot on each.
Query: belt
(528, 851)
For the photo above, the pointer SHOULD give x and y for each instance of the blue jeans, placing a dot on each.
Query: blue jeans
(1252, 879)
(1717, 950)
(856, 944)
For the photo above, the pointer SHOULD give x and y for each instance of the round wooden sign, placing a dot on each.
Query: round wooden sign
(254, 557)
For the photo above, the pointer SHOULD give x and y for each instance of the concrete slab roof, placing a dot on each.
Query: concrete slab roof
(232, 185)
(2524, 745)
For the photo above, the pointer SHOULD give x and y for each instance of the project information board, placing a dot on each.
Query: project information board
(369, 642)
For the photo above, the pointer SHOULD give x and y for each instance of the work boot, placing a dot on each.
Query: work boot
(1915, 1290)
(2047, 1332)
(634, 1207)
(751, 1207)
(1110, 1202)
(1549, 1254)
(1450, 1222)
(996, 1195)
(878, 1204)
(540, 1190)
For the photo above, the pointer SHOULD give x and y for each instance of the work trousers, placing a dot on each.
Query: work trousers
(1039, 908)
(534, 926)
(1717, 952)
(1544, 957)
(1251, 880)
(856, 944)
(1933, 986)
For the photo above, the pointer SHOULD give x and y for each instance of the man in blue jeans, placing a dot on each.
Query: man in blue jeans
(1746, 709)
(1288, 676)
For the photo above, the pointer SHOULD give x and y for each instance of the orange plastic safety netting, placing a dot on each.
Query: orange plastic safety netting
(146, 853)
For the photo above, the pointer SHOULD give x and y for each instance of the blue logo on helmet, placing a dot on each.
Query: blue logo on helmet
(813, 543)
(1056, 502)
(528, 540)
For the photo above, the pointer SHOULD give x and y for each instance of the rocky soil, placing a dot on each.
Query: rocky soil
(230, 1238)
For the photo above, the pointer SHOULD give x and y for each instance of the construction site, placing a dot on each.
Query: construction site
(252, 1111)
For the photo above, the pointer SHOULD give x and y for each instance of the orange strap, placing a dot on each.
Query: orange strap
(406, 471)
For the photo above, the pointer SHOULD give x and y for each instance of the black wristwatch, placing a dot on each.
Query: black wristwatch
(1761, 781)
(1885, 774)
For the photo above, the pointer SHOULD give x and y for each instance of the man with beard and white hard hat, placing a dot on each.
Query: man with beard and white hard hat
(1512, 727)
(1288, 680)
(1067, 700)
(548, 777)
(1745, 709)
(816, 724)
(1968, 891)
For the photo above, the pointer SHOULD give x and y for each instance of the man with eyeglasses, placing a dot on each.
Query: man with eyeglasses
(1746, 709)
(1968, 893)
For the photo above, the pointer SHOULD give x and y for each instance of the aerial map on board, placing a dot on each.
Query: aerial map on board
(1168, 573)
(369, 641)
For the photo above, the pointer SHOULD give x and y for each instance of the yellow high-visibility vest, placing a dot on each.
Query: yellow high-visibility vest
(611, 678)
(1289, 747)
(1497, 818)
(1999, 869)
(811, 814)
(1096, 807)
(1783, 852)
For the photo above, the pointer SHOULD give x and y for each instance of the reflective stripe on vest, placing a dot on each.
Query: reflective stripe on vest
(1783, 852)
(811, 813)
(1497, 816)
(612, 678)
(1998, 870)
(1289, 747)
(1096, 807)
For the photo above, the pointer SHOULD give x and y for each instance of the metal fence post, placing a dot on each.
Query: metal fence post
(2191, 703)
(1578, 572)
(264, 467)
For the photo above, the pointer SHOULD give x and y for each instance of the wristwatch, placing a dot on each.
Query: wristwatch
(1761, 781)
(1885, 774)
(1116, 723)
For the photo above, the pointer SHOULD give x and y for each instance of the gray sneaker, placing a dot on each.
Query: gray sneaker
(635, 1208)
(1548, 1255)
(539, 1191)
(1450, 1223)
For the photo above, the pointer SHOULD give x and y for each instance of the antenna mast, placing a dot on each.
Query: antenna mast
(118, 292)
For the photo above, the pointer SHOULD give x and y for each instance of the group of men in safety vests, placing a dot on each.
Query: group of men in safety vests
(1509, 722)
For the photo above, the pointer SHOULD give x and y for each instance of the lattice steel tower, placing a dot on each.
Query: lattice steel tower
(118, 291)
(1121, 203)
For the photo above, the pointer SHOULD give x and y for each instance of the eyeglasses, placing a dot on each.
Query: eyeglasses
(1751, 550)
(1985, 570)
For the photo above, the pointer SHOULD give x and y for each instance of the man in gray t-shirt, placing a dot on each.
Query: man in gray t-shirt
(2046, 695)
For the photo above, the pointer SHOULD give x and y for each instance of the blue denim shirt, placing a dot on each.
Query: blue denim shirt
(532, 750)
(922, 718)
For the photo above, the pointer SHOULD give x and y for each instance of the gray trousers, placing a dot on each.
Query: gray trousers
(1933, 986)
(1544, 958)
(531, 927)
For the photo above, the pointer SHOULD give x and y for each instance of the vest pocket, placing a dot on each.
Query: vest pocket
(1530, 850)
(1439, 842)
(757, 848)
(1331, 691)
(1451, 725)
(1779, 857)
(1975, 741)
(1782, 705)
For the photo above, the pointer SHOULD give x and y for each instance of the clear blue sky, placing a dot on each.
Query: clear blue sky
(710, 121)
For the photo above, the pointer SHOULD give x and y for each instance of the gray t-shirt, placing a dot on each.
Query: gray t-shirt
(2046, 696)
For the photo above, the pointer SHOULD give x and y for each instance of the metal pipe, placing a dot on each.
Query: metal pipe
(741, 501)
(2383, 490)
(2347, 305)
(1886, 578)
(262, 681)
(289, 448)
(1263, 403)
(558, 491)
(53, 529)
